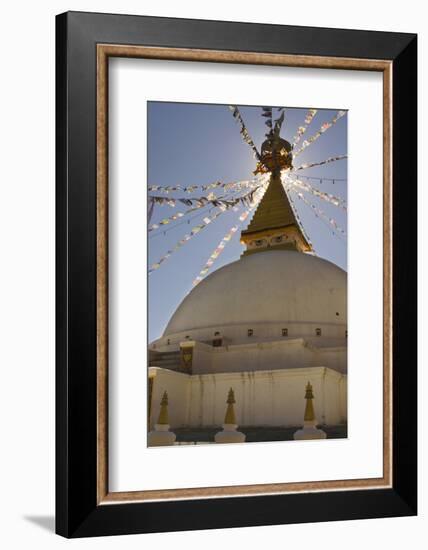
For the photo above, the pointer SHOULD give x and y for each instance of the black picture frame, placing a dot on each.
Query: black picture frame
(77, 511)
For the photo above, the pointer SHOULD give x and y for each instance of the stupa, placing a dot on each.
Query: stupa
(264, 325)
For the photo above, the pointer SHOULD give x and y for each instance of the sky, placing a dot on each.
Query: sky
(197, 144)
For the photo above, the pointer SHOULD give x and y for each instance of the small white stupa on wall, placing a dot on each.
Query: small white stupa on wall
(309, 430)
(161, 435)
(230, 433)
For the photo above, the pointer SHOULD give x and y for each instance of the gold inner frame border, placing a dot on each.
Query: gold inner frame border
(104, 52)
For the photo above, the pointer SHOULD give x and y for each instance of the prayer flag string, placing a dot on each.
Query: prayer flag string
(243, 131)
(321, 163)
(200, 212)
(219, 249)
(328, 197)
(322, 179)
(195, 230)
(302, 129)
(229, 192)
(191, 188)
(330, 222)
(210, 198)
(267, 113)
(150, 208)
(296, 215)
(173, 218)
(320, 132)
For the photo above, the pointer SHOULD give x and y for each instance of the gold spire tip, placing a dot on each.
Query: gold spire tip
(309, 393)
(231, 397)
(309, 408)
(230, 417)
(163, 413)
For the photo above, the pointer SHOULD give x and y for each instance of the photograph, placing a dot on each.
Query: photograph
(247, 273)
(212, 275)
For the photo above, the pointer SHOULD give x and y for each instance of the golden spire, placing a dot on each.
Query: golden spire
(274, 225)
(230, 417)
(309, 409)
(274, 210)
(163, 413)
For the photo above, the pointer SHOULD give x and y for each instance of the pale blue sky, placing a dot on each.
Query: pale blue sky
(196, 144)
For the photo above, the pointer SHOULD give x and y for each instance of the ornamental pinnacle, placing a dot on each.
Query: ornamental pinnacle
(230, 417)
(309, 409)
(163, 413)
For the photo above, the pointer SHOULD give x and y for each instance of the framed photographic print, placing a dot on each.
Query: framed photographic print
(236, 274)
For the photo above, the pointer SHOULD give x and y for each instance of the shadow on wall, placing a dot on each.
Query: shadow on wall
(45, 522)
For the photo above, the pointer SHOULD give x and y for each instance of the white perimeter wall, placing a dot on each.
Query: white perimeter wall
(260, 356)
(263, 398)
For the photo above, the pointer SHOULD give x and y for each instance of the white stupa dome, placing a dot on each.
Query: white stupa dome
(265, 292)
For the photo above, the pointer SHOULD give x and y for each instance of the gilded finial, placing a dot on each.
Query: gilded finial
(163, 413)
(230, 411)
(309, 394)
(231, 397)
(309, 409)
